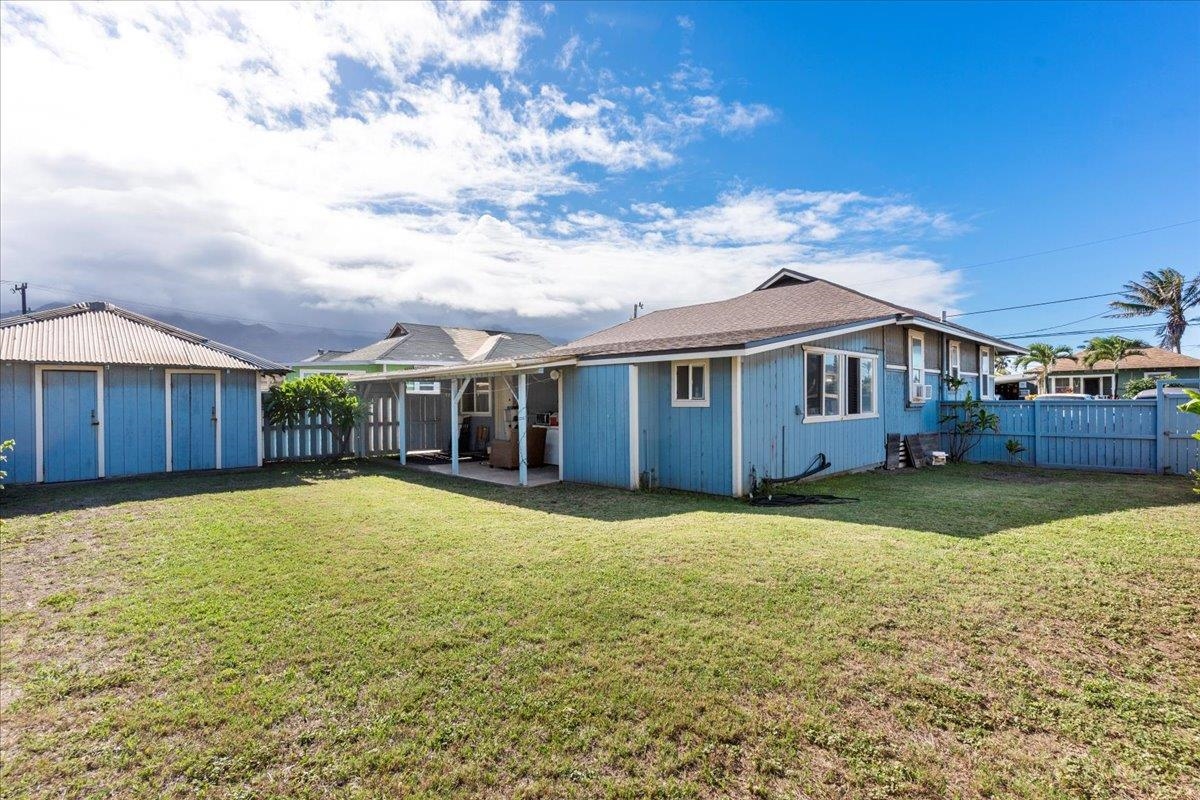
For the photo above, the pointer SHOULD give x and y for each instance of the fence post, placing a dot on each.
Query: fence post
(1037, 442)
(1162, 435)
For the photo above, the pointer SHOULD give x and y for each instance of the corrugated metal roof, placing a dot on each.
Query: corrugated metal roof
(101, 333)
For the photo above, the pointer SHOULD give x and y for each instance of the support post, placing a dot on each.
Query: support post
(735, 372)
(562, 442)
(634, 459)
(455, 421)
(402, 422)
(522, 432)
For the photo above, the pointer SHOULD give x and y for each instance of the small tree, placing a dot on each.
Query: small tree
(1111, 348)
(1046, 355)
(1014, 448)
(328, 398)
(5, 446)
(967, 422)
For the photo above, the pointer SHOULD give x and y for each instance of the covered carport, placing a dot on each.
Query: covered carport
(455, 383)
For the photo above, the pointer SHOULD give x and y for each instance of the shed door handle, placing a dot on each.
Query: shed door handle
(214, 413)
(95, 421)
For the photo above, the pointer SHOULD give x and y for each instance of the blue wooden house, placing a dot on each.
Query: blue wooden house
(703, 397)
(94, 391)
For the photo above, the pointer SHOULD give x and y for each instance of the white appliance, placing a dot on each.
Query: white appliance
(552, 446)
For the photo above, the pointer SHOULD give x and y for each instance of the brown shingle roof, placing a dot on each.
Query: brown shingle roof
(1155, 358)
(788, 307)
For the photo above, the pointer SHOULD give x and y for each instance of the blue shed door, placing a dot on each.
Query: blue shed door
(70, 425)
(193, 421)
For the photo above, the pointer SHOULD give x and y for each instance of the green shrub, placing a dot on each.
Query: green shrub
(1140, 385)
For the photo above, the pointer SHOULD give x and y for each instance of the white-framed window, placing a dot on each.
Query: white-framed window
(477, 399)
(1157, 375)
(689, 384)
(423, 387)
(987, 381)
(916, 366)
(839, 385)
(955, 359)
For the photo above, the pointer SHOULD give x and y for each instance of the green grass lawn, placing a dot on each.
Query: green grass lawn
(315, 632)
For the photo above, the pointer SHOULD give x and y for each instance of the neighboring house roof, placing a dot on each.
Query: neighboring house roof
(1155, 358)
(410, 343)
(321, 356)
(101, 333)
(789, 303)
(1019, 378)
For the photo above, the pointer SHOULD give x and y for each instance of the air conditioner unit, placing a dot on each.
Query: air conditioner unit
(927, 391)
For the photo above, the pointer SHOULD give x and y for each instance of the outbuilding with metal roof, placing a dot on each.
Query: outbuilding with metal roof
(92, 390)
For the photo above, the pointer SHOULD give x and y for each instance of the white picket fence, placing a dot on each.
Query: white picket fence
(377, 435)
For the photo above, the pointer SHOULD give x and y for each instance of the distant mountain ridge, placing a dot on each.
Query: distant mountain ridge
(286, 347)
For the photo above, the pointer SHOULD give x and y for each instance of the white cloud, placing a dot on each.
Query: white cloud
(567, 54)
(183, 152)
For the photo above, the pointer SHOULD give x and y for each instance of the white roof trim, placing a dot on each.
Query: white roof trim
(921, 322)
(782, 274)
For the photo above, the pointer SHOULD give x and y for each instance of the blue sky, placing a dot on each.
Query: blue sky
(543, 167)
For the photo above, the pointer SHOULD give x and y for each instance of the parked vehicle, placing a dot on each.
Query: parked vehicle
(1065, 396)
(1150, 394)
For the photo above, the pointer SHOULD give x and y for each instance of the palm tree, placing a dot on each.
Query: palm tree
(1046, 355)
(1165, 291)
(1111, 348)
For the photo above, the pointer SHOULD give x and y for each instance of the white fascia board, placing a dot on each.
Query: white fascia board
(918, 322)
(752, 348)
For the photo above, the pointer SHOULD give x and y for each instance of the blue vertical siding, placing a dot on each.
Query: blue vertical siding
(16, 420)
(903, 417)
(686, 448)
(776, 441)
(239, 418)
(135, 437)
(193, 434)
(595, 423)
(70, 440)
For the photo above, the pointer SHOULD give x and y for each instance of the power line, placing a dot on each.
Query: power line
(1035, 305)
(1051, 251)
(63, 293)
(1053, 328)
(1081, 333)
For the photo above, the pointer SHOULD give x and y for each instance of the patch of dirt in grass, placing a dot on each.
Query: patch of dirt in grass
(1017, 475)
(50, 580)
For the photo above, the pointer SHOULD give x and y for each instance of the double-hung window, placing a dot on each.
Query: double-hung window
(838, 385)
(689, 383)
(916, 367)
(477, 399)
(987, 381)
(955, 359)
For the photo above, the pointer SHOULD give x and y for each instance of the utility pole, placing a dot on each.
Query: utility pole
(636, 307)
(21, 287)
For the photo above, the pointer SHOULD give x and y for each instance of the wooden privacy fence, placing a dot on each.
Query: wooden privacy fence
(1151, 436)
(377, 435)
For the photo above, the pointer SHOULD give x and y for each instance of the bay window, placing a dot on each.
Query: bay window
(839, 385)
